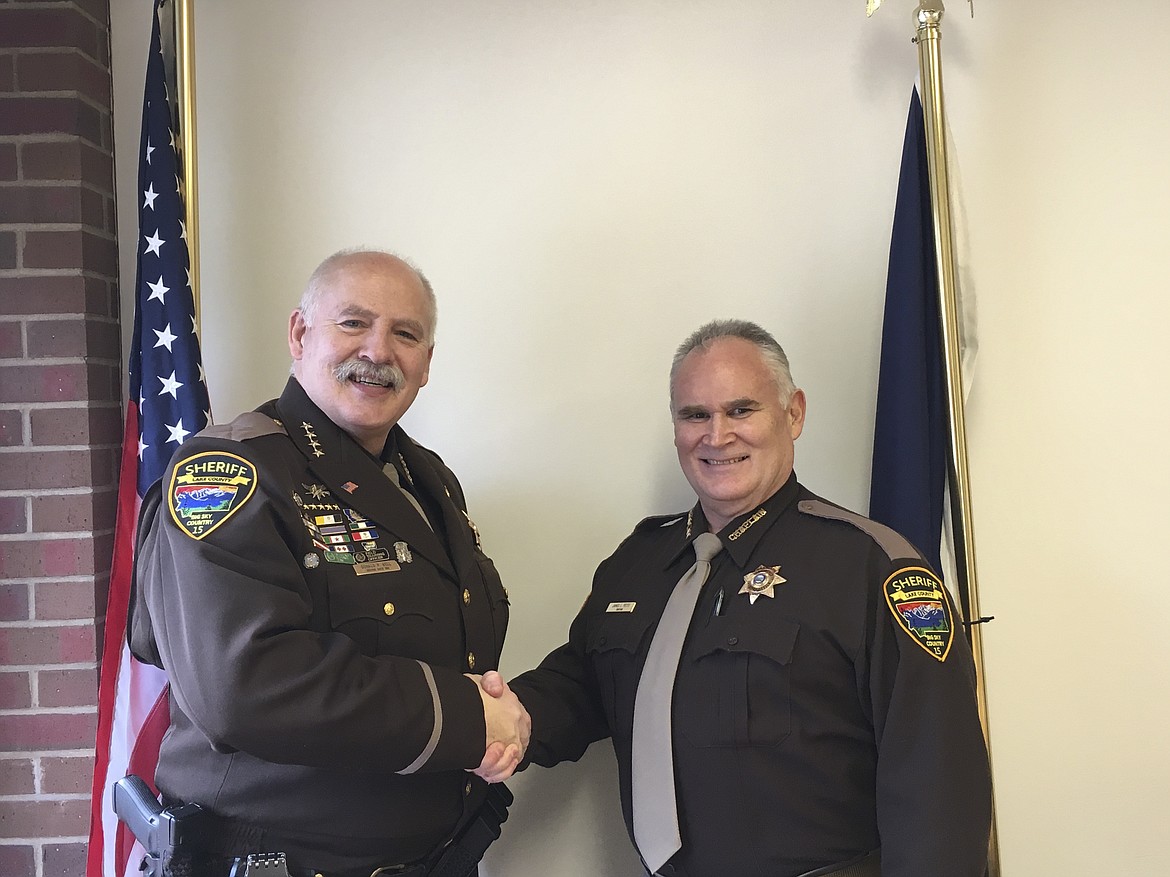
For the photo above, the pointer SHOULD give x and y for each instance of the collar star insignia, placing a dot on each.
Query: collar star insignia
(312, 437)
(474, 530)
(406, 470)
(761, 582)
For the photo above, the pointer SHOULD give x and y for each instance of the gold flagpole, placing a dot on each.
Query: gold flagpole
(185, 68)
(928, 17)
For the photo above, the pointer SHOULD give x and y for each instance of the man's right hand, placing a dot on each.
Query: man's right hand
(508, 728)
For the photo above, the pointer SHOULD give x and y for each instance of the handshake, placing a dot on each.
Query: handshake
(508, 728)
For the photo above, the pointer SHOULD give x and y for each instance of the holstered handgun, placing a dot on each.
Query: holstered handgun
(460, 857)
(168, 834)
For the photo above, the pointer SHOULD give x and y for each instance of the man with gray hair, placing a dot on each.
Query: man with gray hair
(787, 685)
(310, 580)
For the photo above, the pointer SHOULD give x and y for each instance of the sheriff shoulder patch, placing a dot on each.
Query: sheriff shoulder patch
(916, 600)
(208, 488)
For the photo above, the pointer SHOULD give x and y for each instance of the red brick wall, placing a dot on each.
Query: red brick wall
(60, 420)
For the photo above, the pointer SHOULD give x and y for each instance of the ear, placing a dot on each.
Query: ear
(296, 334)
(796, 411)
(427, 371)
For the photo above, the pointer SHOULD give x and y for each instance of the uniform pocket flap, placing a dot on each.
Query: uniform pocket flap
(617, 630)
(357, 601)
(774, 638)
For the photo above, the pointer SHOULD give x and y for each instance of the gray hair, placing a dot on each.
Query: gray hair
(327, 271)
(770, 350)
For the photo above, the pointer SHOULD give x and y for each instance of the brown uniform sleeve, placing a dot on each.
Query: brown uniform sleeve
(933, 779)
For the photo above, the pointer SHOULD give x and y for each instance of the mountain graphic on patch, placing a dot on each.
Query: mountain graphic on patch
(193, 499)
(924, 615)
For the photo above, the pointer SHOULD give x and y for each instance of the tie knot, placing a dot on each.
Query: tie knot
(707, 545)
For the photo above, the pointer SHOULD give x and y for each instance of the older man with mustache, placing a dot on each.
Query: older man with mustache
(312, 583)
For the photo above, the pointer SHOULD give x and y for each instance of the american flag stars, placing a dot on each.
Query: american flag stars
(177, 433)
(154, 245)
(165, 338)
(166, 373)
(159, 290)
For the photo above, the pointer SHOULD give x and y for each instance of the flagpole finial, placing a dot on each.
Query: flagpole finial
(928, 20)
(935, 8)
(929, 13)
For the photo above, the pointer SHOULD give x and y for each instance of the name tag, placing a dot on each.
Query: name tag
(620, 607)
(375, 566)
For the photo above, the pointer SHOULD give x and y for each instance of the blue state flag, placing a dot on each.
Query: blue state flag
(911, 444)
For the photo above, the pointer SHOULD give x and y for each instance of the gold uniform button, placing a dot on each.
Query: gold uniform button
(388, 608)
(466, 597)
(467, 789)
(471, 660)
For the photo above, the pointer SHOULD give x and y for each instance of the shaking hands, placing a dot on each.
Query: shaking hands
(508, 728)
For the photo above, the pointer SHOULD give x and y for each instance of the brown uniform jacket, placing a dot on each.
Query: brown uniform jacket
(315, 632)
(824, 703)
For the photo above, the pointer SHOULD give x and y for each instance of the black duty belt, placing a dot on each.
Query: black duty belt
(869, 865)
(866, 865)
(238, 850)
(275, 865)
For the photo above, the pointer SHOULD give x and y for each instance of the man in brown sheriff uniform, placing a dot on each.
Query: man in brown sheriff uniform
(824, 714)
(322, 605)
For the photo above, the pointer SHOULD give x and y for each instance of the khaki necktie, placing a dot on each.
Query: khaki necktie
(652, 785)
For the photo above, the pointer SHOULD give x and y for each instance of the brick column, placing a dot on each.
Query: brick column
(60, 420)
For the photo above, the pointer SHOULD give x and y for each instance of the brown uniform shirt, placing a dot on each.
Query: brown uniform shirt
(824, 704)
(315, 631)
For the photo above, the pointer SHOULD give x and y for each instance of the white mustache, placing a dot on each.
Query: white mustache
(371, 373)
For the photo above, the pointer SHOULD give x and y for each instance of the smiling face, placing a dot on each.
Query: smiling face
(734, 434)
(365, 350)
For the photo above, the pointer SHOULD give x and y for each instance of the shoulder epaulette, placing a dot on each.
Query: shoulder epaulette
(249, 425)
(659, 521)
(894, 544)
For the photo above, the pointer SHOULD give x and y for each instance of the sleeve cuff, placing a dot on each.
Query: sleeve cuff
(458, 736)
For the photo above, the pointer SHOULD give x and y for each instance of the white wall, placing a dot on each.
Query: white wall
(585, 183)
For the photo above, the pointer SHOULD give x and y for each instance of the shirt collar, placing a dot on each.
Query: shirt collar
(743, 533)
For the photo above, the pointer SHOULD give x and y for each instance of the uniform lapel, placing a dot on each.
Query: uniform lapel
(480, 635)
(421, 470)
(353, 478)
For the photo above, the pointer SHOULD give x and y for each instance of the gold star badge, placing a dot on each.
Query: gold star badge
(761, 582)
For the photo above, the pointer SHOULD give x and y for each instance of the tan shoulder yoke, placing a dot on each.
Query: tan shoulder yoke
(895, 545)
(249, 425)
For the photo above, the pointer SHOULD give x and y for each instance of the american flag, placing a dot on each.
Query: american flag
(168, 402)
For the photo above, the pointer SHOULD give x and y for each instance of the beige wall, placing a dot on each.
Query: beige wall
(585, 183)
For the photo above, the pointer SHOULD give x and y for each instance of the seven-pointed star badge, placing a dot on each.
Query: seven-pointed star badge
(762, 581)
